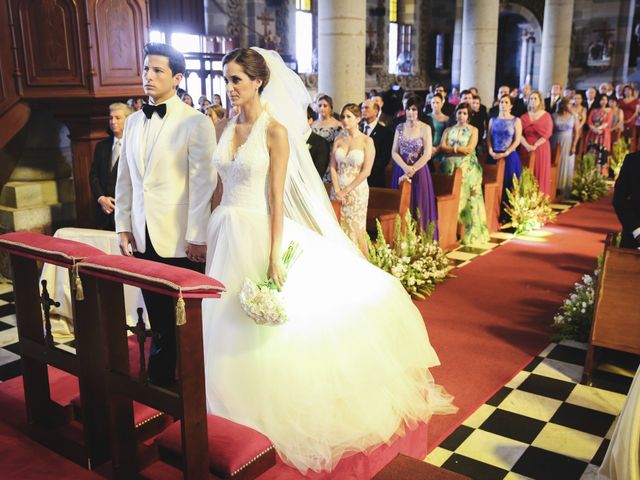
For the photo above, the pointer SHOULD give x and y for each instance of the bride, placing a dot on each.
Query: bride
(349, 370)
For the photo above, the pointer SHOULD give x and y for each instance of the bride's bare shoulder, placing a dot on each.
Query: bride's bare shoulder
(276, 132)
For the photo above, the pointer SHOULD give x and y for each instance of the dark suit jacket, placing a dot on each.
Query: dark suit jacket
(626, 199)
(103, 181)
(386, 119)
(550, 107)
(383, 141)
(319, 150)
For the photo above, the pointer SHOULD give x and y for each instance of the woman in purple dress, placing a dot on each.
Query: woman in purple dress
(411, 152)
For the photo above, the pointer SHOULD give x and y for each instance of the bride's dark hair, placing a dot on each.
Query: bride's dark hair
(251, 62)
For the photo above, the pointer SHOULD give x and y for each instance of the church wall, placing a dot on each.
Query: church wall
(598, 24)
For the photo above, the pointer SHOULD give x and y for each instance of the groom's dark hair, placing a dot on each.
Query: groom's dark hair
(177, 63)
(253, 64)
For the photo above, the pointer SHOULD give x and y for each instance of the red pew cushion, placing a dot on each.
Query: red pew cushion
(37, 246)
(158, 277)
(235, 451)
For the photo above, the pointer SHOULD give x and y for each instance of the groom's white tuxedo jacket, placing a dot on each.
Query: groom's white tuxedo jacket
(166, 178)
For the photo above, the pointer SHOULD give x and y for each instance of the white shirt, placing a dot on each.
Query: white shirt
(153, 125)
(115, 150)
(370, 126)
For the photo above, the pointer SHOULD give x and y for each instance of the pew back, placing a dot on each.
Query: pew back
(447, 189)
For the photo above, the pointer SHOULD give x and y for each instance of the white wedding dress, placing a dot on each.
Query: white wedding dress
(348, 371)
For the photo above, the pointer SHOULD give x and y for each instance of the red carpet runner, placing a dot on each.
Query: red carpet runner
(495, 316)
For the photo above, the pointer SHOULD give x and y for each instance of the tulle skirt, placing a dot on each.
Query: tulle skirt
(346, 373)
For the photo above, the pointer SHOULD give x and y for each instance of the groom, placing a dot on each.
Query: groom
(163, 191)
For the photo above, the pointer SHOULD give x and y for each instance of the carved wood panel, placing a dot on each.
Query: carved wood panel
(8, 94)
(50, 34)
(118, 34)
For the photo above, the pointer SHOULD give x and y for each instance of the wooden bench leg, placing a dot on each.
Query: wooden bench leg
(589, 363)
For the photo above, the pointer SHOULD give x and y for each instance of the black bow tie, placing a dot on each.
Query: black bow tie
(161, 110)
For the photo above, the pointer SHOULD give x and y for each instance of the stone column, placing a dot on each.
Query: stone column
(457, 46)
(479, 46)
(341, 50)
(556, 42)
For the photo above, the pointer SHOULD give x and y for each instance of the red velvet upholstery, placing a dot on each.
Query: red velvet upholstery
(160, 278)
(57, 251)
(234, 450)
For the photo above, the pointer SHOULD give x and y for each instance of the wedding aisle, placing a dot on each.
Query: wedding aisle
(491, 320)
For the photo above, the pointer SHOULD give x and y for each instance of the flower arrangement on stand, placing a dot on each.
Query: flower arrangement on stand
(415, 258)
(620, 151)
(588, 184)
(527, 206)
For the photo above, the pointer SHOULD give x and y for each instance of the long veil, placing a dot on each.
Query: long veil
(305, 197)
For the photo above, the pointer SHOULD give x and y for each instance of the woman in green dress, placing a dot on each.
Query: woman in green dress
(458, 150)
(439, 121)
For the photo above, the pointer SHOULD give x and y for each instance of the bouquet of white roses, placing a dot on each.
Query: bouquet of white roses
(262, 301)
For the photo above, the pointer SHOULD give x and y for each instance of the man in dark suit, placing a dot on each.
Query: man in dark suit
(551, 102)
(104, 169)
(626, 200)
(383, 118)
(382, 139)
(318, 147)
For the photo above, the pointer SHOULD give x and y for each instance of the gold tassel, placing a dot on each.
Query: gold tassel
(77, 283)
(181, 315)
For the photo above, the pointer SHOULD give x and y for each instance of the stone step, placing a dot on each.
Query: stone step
(37, 193)
(43, 218)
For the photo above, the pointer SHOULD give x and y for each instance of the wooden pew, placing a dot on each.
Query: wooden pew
(616, 316)
(447, 189)
(51, 423)
(385, 204)
(492, 183)
(527, 159)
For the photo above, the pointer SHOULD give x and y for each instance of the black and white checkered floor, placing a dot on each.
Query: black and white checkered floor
(543, 424)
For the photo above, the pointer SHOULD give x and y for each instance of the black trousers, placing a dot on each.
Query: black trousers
(161, 312)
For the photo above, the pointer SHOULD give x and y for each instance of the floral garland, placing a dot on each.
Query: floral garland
(416, 259)
(527, 206)
(588, 184)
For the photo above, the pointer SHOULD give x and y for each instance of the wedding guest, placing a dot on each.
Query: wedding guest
(458, 150)
(104, 169)
(629, 106)
(217, 99)
(438, 121)
(591, 100)
(217, 114)
(326, 125)
(186, 98)
(454, 96)
(626, 200)
(526, 91)
(203, 103)
(553, 98)
(579, 110)
(318, 147)
(163, 191)
(383, 118)
(503, 138)
(566, 132)
(351, 162)
(617, 119)
(382, 139)
(411, 150)
(599, 134)
(537, 128)
(135, 104)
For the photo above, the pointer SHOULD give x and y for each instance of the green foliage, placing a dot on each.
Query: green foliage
(620, 150)
(416, 259)
(588, 184)
(527, 206)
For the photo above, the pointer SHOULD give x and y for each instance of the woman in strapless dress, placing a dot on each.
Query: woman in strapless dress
(350, 165)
